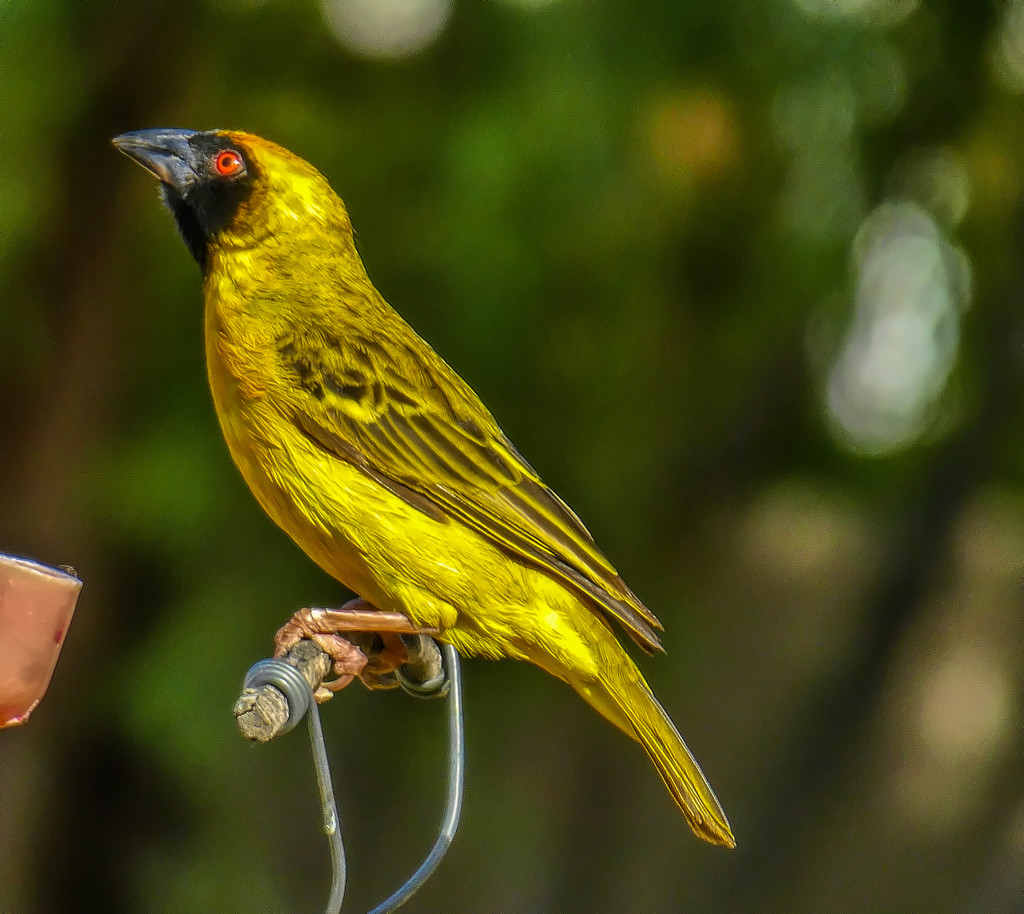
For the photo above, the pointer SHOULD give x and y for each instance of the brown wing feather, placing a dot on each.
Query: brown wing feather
(423, 434)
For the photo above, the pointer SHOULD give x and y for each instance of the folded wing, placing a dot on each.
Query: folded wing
(391, 407)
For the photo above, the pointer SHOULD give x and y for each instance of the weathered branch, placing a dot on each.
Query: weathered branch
(262, 713)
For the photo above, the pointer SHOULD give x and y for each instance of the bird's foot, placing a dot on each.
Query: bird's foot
(370, 648)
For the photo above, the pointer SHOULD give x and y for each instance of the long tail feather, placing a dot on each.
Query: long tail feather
(625, 699)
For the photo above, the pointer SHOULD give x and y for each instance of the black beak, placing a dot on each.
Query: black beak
(164, 151)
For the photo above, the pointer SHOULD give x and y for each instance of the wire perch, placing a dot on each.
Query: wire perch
(277, 694)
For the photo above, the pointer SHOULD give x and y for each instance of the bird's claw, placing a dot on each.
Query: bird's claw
(371, 650)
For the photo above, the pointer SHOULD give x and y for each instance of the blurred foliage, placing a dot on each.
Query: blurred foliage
(743, 281)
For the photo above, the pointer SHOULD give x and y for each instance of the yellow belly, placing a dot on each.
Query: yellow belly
(439, 574)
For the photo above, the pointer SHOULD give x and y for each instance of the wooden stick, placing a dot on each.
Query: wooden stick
(262, 713)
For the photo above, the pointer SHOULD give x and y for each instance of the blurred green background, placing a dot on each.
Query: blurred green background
(743, 280)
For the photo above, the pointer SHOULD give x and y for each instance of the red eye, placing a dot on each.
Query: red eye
(228, 163)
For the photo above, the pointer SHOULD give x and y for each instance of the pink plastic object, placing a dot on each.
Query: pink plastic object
(36, 606)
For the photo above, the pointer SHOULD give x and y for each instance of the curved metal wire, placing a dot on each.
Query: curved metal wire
(456, 786)
(339, 871)
(300, 701)
(299, 698)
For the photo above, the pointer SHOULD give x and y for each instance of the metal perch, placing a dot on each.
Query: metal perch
(277, 694)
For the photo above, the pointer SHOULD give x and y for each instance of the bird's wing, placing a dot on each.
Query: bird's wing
(390, 406)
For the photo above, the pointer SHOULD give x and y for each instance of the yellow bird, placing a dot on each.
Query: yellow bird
(378, 459)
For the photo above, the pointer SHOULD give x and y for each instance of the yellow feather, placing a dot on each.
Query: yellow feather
(385, 467)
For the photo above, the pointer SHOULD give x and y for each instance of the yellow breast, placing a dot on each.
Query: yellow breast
(439, 573)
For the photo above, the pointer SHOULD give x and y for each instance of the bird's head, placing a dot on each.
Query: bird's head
(231, 190)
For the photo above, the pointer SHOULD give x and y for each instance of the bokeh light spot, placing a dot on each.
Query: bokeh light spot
(387, 28)
(692, 134)
(965, 703)
(902, 341)
(1008, 49)
(878, 12)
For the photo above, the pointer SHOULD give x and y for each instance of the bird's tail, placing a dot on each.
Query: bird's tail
(622, 695)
